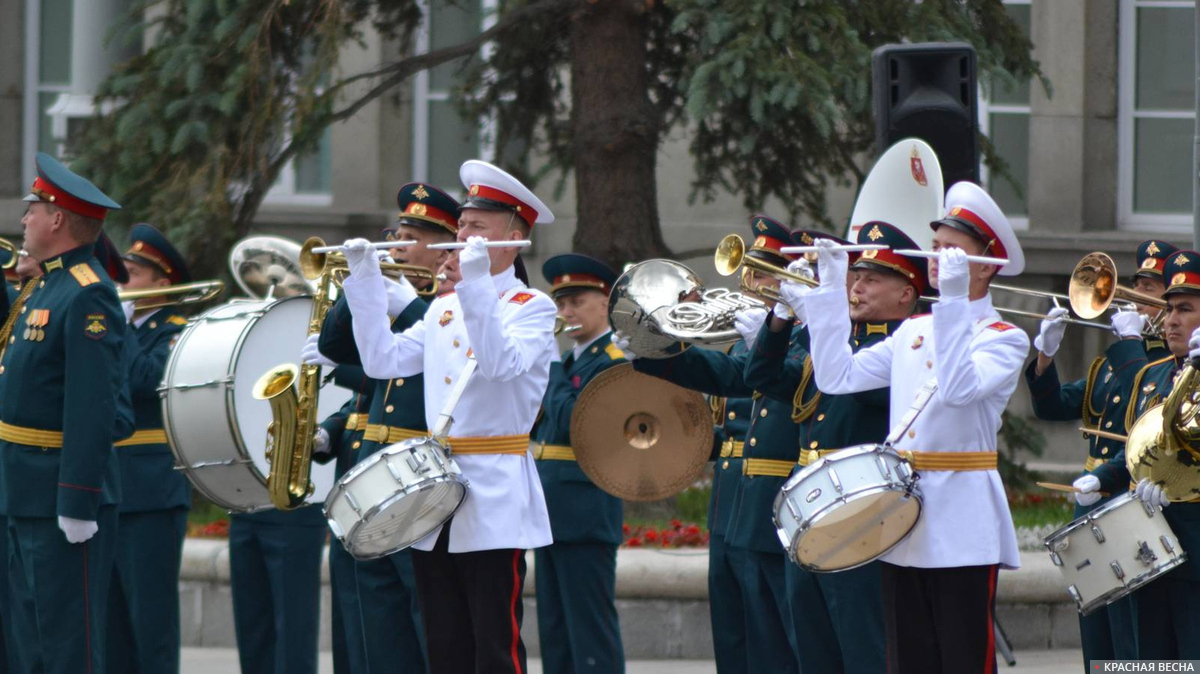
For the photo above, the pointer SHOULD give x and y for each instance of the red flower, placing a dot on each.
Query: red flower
(625, 529)
(676, 523)
(635, 542)
(651, 536)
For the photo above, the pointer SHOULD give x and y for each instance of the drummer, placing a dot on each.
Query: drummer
(1167, 628)
(830, 636)
(769, 454)
(471, 570)
(387, 590)
(143, 628)
(939, 584)
(1101, 399)
(577, 575)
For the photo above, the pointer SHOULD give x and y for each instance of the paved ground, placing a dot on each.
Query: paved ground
(224, 661)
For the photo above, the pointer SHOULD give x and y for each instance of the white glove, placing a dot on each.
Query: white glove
(400, 294)
(1128, 324)
(802, 268)
(832, 264)
(748, 322)
(362, 259)
(1089, 490)
(127, 306)
(1151, 494)
(793, 294)
(621, 341)
(1194, 345)
(474, 261)
(954, 273)
(77, 531)
(321, 441)
(1050, 334)
(784, 312)
(311, 354)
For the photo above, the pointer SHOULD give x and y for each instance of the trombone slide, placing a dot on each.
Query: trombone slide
(979, 259)
(377, 245)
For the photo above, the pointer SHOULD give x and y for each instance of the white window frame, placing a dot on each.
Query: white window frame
(283, 192)
(986, 110)
(31, 115)
(423, 96)
(1127, 117)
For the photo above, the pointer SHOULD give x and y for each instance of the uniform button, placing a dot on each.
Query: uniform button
(399, 382)
(912, 434)
(447, 380)
(41, 284)
(1108, 424)
(595, 349)
(389, 409)
(812, 445)
(356, 445)
(1, 369)
(725, 465)
(929, 364)
(732, 416)
(12, 339)
(763, 413)
(1116, 399)
(455, 343)
(821, 416)
(1104, 450)
(23, 308)
(753, 442)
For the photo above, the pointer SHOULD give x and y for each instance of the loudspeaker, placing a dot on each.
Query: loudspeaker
(929, 91)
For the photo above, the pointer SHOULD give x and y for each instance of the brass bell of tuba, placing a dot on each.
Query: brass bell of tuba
(1164, 442)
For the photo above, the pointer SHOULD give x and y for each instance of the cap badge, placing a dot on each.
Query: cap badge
(566, 278)
(474, 190)
(806, 238)
(760, 242)
(137, 245)
(1182, 259)
(1178, 279)
(446, 317)
(1153, 248)
(1148, 263)
(760, 226)
(955, 211)
(870, 254)
(417, 209)
(420, 192)
(875, 234)
(918, 169)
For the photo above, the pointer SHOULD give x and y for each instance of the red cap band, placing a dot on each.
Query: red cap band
(48, 191)
(427, 212)
(578, 281)
(523, 209)
(995, 245)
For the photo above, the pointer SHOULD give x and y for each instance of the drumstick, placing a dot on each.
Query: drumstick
(1054, 486)
(981, 259)
(459, 245)
(1104, 434)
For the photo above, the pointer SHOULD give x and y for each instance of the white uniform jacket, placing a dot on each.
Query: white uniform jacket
(510, 330)
(977, 360)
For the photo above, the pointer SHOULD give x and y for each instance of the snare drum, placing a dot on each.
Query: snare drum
(216, 428)
(847, 508)
(395, 497)
(1113, 550)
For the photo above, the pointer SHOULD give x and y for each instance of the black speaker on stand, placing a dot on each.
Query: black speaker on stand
(929, 91)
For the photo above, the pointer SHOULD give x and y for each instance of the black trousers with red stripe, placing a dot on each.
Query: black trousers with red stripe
(471, 608)
(940, 620)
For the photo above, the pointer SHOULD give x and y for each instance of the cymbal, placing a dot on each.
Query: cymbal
(1147, 456)
(260, 263)
(639, 437)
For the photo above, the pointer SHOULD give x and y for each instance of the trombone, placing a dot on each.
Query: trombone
(316, 258)
(731, 256)
(14, 253)
(183, 294)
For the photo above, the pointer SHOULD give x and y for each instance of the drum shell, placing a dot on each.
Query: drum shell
(811, 497)
(1086, 550)
(376, 488)
(210, 376)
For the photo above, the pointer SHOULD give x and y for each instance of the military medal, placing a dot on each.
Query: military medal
(446, 317)
(918, 342)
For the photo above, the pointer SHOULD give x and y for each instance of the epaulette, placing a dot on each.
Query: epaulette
(521, 298)
(1001, 326)
(613, 352)
(84, 275)
(177, 320)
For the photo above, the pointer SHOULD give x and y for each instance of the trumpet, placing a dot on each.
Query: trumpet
(316, 258)
(731, 256)
(561, 327)
(183, 294)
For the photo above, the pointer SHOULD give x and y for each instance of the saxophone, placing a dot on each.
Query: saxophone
(292, 392)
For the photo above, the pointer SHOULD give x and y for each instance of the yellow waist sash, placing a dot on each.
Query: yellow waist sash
(955, 461)
(771, 467)
(30, 436)
(389, 435)
(810, 456)
(148, 436)
(501, 444)
(553, 452)
(356, 422)
(732, 449)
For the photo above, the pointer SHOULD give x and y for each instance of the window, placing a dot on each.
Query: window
(1156, 115)
(442, 138)
(1004, 118)
(47, 74)
(307, 179)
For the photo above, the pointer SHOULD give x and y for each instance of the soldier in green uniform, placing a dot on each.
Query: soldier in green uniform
(60, 382)
(769, 452)
(1165, 608)
(577, 574)
(838, 617)
(1100, 401)
(386, 586)
(143, 615)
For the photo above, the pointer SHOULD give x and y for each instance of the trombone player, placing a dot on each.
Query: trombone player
(1100, 400)
(1167, 628)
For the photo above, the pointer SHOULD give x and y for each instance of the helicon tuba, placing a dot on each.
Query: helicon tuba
(1164, 442)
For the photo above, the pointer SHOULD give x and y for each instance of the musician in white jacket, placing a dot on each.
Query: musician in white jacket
(939, 584)
(471, 571)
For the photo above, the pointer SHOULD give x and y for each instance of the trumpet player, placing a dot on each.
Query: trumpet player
(830, 636)
(577, 574)
(471, 570)
(769, 452)
(939, 583)
(1100, 400)
(1165, 609)
(387, 591)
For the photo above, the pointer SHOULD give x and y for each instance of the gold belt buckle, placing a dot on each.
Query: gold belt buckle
(538, 450)
(726, 449)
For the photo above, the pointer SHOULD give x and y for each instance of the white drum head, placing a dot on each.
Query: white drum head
(858, 531)
(402, 521)
(275, 338)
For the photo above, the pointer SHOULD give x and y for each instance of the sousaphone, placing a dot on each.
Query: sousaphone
(904, 189)
(638, 437)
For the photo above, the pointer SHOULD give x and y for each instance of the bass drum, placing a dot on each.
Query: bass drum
(216, 428)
